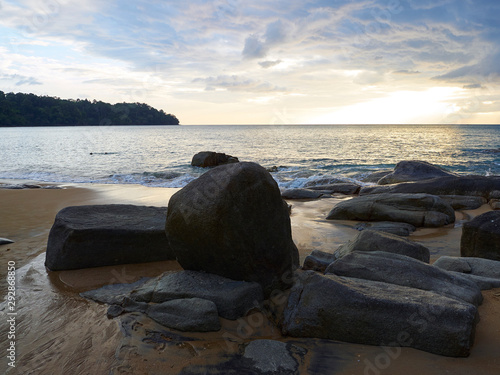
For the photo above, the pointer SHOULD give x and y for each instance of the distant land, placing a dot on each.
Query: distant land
(33, 110)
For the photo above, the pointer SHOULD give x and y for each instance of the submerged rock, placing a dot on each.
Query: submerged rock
(377, 313)
(420, 210)
(212, 159)
(481, 237)
(107, 235)
(232, 222)
(413, 170)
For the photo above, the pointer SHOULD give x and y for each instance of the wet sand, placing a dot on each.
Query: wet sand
(59, 332)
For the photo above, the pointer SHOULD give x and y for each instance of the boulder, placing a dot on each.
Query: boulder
(107, 235)
(376, 176)
(419, 210)
(405, 271)
(113, 294)
(189, 314)
(483, 283)
(464, 202)
(399, 229)
(377, 313)
(323, 181)
(318, 261)
(473, 266)
(232, 222)
(339, 188)
(494, 204)
(464, 185)
(481, 237)
(413, 170)
(212, 159)
(232, 298)
(5, 241)
(370, 240)
(301, 194)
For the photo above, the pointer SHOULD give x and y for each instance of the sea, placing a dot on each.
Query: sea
(297, 155)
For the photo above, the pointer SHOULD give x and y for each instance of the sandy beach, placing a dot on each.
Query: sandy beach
(59, 332)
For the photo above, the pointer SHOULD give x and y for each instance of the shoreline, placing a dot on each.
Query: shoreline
(58, 329)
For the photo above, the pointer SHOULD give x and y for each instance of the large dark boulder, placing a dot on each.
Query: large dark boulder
(480, 186)
(377, 313)
(106, 235)
(419, 210)
(413, 170)
(212, 159)
(370, 240)
(232, 222)
(481, 237)
(406, 271)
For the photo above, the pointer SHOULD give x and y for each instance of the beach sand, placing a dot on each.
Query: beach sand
(59, 332)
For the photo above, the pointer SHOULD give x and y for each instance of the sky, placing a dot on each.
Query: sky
(262, 62)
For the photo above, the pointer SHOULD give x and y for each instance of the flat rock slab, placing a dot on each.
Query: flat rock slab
(481, 237)
(232, 298)
(113, 293)
(272, 357)
(338, 188)
(5, 241)
(370, 240)
(301, 194)
(419, 210)
(399, 229)
(376, 313)
(468, 265)
(107, 235)
(405, 271)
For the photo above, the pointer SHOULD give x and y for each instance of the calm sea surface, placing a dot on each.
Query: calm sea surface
(161, 155)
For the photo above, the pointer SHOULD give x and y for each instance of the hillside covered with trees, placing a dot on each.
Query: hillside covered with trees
(33, 110)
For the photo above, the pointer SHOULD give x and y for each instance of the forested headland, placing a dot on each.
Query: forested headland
(33, 110)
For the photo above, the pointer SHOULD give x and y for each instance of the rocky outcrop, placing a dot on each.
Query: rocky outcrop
(481, 237)
(369, 241)
(464, 202)
(413, 170)
(212, 159)
(399, 229)
(301, 194)
(405, 271)
(106, 235)
(419, 210)
(318, 261)
(377, 313)
(467, 185)
(338, 188)
(232, 222)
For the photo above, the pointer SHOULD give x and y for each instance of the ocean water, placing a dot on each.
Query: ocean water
(304, 155)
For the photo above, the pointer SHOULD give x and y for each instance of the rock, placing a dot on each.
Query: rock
(318, 261)
(190, 314)
(113, 293)
(398, 229)
(463, 202)
(483, 283)
(473, 266)
(232, 222)
(5, 241)
(339, 188)
(272, 357)
(481, 237)
(370, 240)
(301, 194)
(376, 313)
(324, 181)
(405, 271)
(107, 235)
(376, 176)
(494, 194)
(494, 204)
(413, 170)
(232, 298)
(212, 159)
(465, 185)
(420, 210)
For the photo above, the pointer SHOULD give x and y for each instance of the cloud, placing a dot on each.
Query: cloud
(269, 64)
(236, 83)
(20, 80)
(254, 48)
(406, 72)
(473, 86)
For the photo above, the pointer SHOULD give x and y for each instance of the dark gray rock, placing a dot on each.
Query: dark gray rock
(473, 266)
(494, 194)
(324, 181)
(420, 210)
(494, 204)
(113, 293)
(272, 357)
(406, 271)
(233, 298)
(232, 222)
(413, 170)
(481, 237)
(5, 241)
(212, 159)
(301, 194)
(318, 261)
(464, 202)
(398, 229)
(369, 240)
(338, 188)
(189, 314)
(376, 313)
(376, 176)
(483, 283)
(465, 185)
(107, 235)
